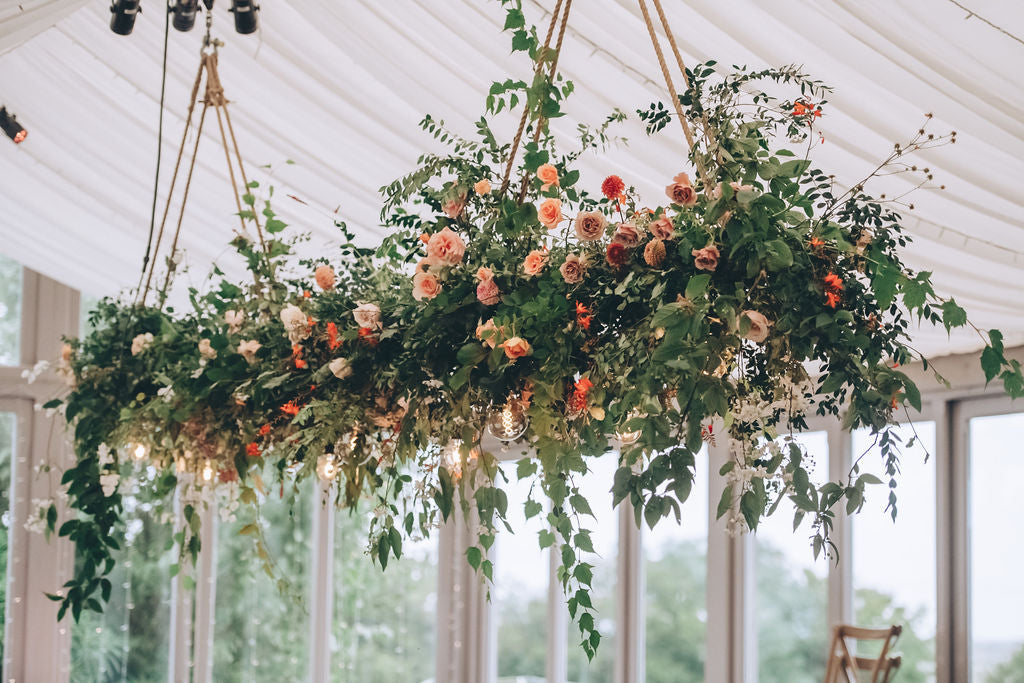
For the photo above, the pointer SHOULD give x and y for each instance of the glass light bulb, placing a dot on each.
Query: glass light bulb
(450, 457)
(140, 452)
(509, 422)
(326, 467)
(628, 438)
(207, 471)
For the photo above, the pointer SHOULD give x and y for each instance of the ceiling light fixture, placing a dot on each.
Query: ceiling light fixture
(11, 127)
(246, 20)
(123, 14)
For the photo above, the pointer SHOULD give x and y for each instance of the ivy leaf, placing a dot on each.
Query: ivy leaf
(697, 285)
(953, 315)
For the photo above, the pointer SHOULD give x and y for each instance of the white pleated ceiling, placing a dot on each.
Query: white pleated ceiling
(339, 87)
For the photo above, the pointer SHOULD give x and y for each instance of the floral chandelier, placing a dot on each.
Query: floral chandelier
(510, 305)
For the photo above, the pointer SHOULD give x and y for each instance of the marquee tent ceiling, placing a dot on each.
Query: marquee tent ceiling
(339, 88)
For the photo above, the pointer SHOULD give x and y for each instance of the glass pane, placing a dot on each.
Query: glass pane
(675, 557)
(520, 594)
(894, 564)
(8, 426)
(596, 487)
(10, 312)
(997, 592)
(384, 621)
(130, 640)
(792, 588)
(261, 629)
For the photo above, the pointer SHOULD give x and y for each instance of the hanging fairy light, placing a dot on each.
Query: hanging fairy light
(509, 422)
(627, 437)
(326, 467)
(207, 472)
(451, 457)
(139, 452)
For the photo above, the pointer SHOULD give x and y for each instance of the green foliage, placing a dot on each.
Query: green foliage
(695, 319)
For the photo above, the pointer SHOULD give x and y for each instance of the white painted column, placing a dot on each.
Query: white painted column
(321, 602)
(629, 598)
(557, 662)
(840, 574)
(206, 595)
(37, 647)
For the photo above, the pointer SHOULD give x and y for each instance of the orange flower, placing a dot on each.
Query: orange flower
(612, 187)
(253, 450)
(516, 347)
(550, 213)
(367, 335)
(548, 175)
(424, 237)
(300, 364)
(332, 336)
(265, 429)
(816, 243)
(306, 294)
(583, 385)
(831, 299)
(583, 317)
(290, 408)
(833, 281)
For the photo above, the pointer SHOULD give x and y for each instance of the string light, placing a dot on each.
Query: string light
(510, 422)
(140, 452)
(628, 438)
(207, 471)
(326, 467)
(11, 127)
(123, 13)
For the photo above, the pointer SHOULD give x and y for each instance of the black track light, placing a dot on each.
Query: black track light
(11, 127)
(123, 14)
(184, 14)
(246, 20)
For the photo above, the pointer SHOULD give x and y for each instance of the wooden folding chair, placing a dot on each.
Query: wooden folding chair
(845, 667)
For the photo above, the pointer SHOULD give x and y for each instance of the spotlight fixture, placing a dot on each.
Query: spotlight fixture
(246, 21)
(184, 14)
(11, 127)
(123, 20)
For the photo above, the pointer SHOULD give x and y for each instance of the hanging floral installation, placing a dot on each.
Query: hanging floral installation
(516, 305)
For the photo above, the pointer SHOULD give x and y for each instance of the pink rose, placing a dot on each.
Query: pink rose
(534, 262)
(489, 333)
(759, 325)
(324, 276)
(516, 347)
(425, 286)
(446, 247)
(681, 191)
(248, 349)
(367, 315)
(590, 225)
(627, 235)
(548, 175)
(487, 292)
(573, 269)
(706, 258)
(661, 227)
(482, 187)
(736, 187)
(453, 207)
(550, 213)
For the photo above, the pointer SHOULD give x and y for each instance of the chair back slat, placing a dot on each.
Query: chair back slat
(846, 667)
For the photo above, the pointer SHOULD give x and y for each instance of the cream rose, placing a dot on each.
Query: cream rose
(425, 286)
(248, 349)
(205, 350)
(296, 323)
(573, 268)
(340, 368)
(367, 315)
(235, 320)
(759, 325)
(141, 342)
(590, 225)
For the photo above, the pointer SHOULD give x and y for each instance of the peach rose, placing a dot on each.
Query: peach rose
(141, 342)
(425, 286)
(367, 315)
(548, 175)
(453, 207)
(235, 320)
(759, 325)
(482, 187)
(550, 213)
(534, 262)
(484, 273)
(516, 347)
(626, 234)
(590, 225)
(736, 187)
(296, 323)
(487, 292)
(324, 276)
(706, 258)
(488, 333)
(681, 191)
(206, 350)
(573, 269)
(446, 247)
(661, 227)
(340, 368)
(426, 264)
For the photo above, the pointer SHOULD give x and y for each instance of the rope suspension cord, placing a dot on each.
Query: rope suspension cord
(213, 97)
(673, 94)
(526, 109)
(551, 76)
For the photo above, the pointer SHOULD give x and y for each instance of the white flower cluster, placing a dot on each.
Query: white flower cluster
(36, 522)
(141, 342)
(109, 482)
(38, 369)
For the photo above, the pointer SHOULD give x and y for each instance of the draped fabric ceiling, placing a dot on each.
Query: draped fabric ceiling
(339, 87)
